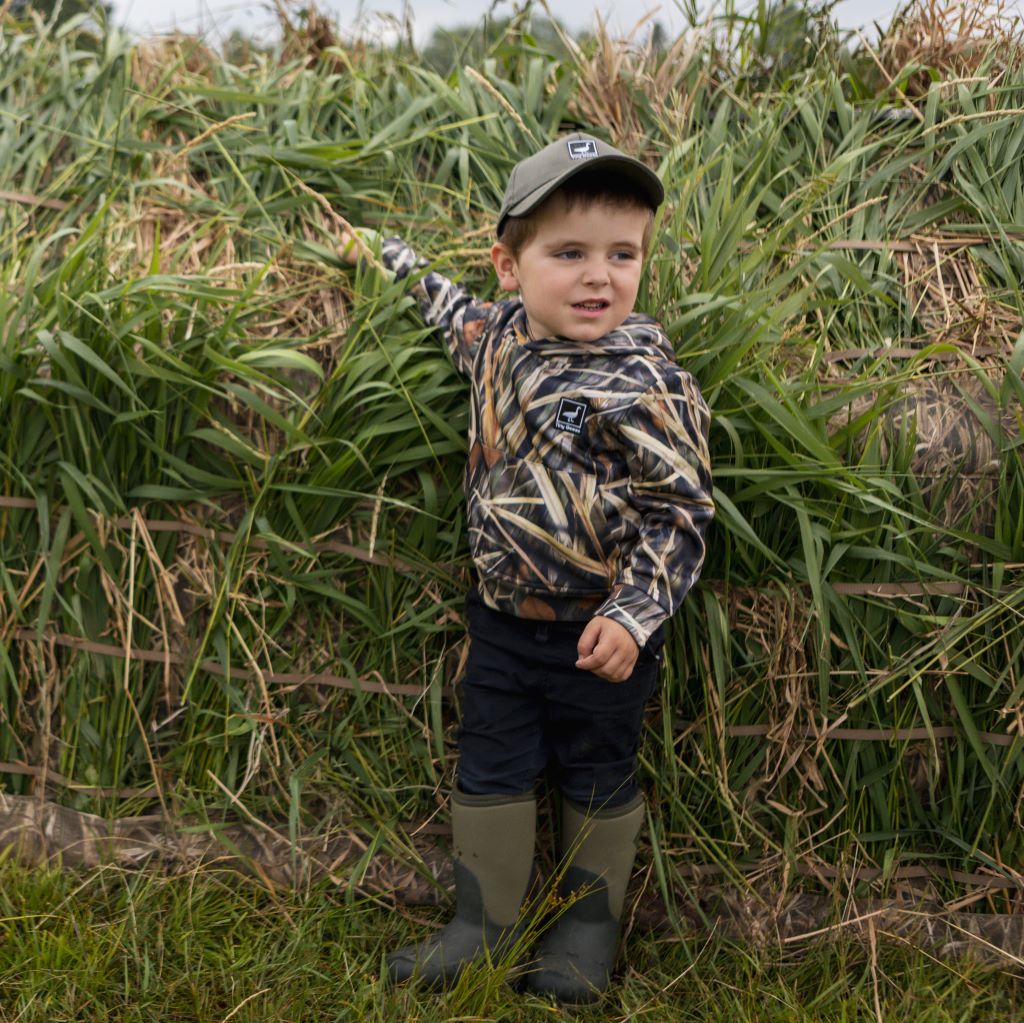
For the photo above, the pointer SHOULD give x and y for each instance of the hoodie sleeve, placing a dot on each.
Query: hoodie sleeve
(445, 304)
(664, 433)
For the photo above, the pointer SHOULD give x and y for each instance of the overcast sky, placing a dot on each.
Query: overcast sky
(215, 18)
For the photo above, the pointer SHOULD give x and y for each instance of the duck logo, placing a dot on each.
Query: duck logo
(582, 149)
(571, 415)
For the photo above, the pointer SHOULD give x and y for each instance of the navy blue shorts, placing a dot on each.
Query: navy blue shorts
(526, 706)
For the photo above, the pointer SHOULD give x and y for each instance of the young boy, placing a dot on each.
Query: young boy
(588, 494)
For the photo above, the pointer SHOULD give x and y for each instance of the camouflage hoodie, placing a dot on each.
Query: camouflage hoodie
(588, 485)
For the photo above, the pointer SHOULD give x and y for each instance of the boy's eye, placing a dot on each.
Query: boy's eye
(567, 254)
(624, 254)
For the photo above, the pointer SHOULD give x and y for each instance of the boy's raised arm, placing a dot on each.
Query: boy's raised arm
(444, 304)
(665, 436)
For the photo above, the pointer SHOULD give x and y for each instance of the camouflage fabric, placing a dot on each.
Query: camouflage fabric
(588, 484)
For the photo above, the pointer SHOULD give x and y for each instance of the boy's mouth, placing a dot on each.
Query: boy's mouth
(592, 306)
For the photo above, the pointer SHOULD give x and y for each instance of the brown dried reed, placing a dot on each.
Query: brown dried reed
(951, 37)
(626, 80)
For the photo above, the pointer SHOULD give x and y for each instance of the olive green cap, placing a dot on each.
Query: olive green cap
(532, 180)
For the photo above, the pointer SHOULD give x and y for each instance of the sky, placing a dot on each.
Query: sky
(214, 19)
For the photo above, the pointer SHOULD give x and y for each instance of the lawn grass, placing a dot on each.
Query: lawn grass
(212, 945)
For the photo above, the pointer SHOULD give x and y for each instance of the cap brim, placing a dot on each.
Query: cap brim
(648, 182)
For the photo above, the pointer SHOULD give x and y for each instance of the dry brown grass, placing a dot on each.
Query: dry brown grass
(627, 79)
(945, 413)
(943, 422)
(160, 62)
(953, 304)
(308, 39)
(777, 624)
(951, 37)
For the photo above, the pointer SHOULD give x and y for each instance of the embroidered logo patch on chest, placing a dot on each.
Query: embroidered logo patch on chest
(571, 415)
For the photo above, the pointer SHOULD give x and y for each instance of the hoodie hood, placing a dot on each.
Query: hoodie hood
(638, 335)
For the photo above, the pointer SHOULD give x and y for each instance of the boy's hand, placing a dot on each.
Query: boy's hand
(607, 649)
(353, 244)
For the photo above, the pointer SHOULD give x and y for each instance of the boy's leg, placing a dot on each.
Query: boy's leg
(593, 726)
(594, 730)
(492, 844)
(501, 731)
(575, 960)
(493, 809)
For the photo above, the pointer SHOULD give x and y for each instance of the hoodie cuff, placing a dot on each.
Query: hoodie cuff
(399, 258)
(634, 611)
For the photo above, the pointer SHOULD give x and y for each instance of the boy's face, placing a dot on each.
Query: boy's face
(579, 274)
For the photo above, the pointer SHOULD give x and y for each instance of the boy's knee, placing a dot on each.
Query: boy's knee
(603, 790)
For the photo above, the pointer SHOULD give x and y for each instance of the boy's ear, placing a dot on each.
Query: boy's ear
(505, 266)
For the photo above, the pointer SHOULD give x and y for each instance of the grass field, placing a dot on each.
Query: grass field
(211, 945)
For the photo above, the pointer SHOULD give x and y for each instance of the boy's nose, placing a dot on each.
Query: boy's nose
(595, 273)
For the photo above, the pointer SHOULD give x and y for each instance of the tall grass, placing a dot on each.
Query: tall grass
(179, 345)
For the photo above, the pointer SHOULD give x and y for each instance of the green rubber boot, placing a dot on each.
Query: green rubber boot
(492, 845)
(575, 960)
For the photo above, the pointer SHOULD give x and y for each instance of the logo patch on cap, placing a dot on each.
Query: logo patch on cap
(582, 149)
